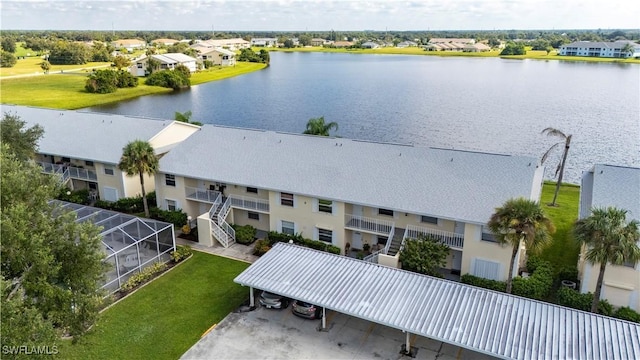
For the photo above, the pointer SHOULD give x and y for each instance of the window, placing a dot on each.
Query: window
(386, 212)
(252, 190)
(486, 269)
(286, 199)
(253, 215)
(429, 219)
(170, 180)
(382, 240)
(88, 163)
(108, 170)
(171, 204)
(93, 186)
(66, 159)
(139, 65)
(630, 264)
(288, 227)
(487, 235)
(325, 235)
(325, 206)
(110, 194)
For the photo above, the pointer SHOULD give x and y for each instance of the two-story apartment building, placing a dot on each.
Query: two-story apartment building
(84, 148)
(604, 186)
(611, 49)
(346, 192)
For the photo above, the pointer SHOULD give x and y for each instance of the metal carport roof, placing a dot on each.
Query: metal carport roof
(481, 320)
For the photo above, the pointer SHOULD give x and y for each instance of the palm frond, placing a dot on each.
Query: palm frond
(553, 132)
(546, 154)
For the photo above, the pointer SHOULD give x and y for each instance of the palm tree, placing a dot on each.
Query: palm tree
(138, 157)
(627, 50)
(520, 220)
(608, 239)
(566, 140)
(185, 117)
(317, 126)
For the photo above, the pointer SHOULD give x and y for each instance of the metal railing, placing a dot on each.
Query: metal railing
(220, 234)
(55, 169)
(216, 202)
(368, 224)
(453, 240)
(389, 240)
(82, 174)
(373, 257)
(203, 195)
(249, 203)
(222, 215)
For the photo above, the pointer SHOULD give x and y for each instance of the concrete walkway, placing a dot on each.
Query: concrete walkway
(236, 251)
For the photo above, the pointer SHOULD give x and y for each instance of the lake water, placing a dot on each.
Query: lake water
(480, 104)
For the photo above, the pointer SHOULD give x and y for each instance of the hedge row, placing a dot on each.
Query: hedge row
(128, 205)
(262, 246)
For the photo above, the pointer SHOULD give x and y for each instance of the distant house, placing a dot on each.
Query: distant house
(264, 42)
(452, 40)
(167, 62)
(479, 47)
(129, 44)
(166, 42)
(370, 45)
(405, 44)
(341, 44)
(317, 42)
(231, 44)
(219, 56)
(610, 49)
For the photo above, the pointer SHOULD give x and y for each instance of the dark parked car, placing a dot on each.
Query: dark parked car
(306, 310)
(273, 301)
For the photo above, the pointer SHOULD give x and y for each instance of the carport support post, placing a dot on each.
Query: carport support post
(324, 318)
(408, 348)
(252, 301)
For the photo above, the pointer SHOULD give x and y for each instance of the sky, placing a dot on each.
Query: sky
(345, 15)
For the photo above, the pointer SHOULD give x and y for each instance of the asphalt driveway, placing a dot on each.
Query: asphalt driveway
(278, 334)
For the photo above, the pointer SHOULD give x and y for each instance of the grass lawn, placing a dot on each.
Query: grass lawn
(168, 316)
(31, 65)
(66, 91)
(563, 251)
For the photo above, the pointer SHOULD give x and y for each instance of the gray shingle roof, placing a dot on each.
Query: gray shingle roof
(611, 185)
(489, 322)
(86, 135)
(450, 184)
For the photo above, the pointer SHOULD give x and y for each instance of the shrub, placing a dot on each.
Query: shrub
(102, 82)
(261, 247)
(142, 277)
(76, 196)
(567, 273)
(183, 70)
(483, 283)
(275, 237)
(538, 284)
(176, 217)
(182, 252)
(208, 64)
(245, 234)
(627, 313)
(169, 79)
(125, 79)
(573, 299)
(130, 205)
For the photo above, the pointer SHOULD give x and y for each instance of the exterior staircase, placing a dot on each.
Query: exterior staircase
(222, 231)
(396, 242)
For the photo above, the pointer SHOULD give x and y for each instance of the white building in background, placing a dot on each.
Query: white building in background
(611, 49)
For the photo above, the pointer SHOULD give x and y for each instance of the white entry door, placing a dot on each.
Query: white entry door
(456, 263)
(356, 240)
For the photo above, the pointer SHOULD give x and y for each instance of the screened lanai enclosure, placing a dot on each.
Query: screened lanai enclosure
(130, 243)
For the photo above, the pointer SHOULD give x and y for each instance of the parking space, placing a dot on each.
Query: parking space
(278, 334)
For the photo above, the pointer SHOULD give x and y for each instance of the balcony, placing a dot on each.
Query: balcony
(249, 203)
(55, 169)
(202, 195)
(370, 225)
(453, 240)
(82, 174)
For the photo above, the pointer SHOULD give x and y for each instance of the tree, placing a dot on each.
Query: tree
(121, 62)
(7, 59)
(514, 49)
(45, 66)
(609, 239)
(169, 79)
(317, 126)
(8, 44)
(69, 53)
(304, 39)
(627, 50)
(100, 53)
(22, 142)
(138, 157)
(424, 255)
(183, 69)
(520, 220)
(566, 140)
(51, 266)
(288, 44)
(152, 65)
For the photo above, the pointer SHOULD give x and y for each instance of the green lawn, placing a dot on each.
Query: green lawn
(165, 318)
(563, 251)
(66, 91)
(31, 65)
